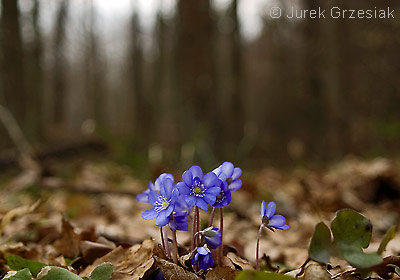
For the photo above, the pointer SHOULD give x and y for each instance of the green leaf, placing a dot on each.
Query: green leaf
(351, 228)
(321, 243)
(352, 232)
(386, 239)
(57, 273)
(23, 274)
(260, 275)
(357, 258)
(18, 263)
(103, 271)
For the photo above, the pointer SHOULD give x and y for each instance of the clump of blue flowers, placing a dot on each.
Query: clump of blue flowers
(172, 203)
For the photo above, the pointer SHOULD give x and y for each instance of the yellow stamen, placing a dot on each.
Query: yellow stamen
(197, 190)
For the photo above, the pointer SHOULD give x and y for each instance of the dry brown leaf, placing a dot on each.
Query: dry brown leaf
(93, 250)
(19, 211)
(222, 273)
(316, 272)
(172, 271)
(244, 264)
(137, 262)
(68, 244)
(130, 264)
(113, 257)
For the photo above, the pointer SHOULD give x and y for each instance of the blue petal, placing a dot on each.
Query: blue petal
(210, 179)
(195, 259)
(143, 197)
(236, 173)
(214, 241)
(158, 183)
(227, 169)
(196, 171)
(168, 186)
(190, 200)
(228, 197)
(277, 221)
(183, 188)
(217, 171)
(262, 209)
(284, 227)
(187, 178)
(162, 219)
(204, 261)
(211, 261)
(169, 210)
(270, 211)
(202, 204)
(149, 214)
(213, 190)
(174, 196)
(202, 251)
(153, 197)
(209, 198)
(235, 185)
(151, 186)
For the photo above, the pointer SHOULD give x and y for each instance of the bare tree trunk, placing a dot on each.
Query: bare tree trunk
(59, 81)
(12, 61)
(36, 77)
(196, 69)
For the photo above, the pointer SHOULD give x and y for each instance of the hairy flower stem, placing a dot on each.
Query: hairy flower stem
(165, 240)
(197, 239)
(175, 253)
(196, 226)
(193, 245)
(258, 245)
(162, 238)
(221, 229)
(212, 217)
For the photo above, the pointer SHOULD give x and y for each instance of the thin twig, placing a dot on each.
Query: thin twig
(212, 217)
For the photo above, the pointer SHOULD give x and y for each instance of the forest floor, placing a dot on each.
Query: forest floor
(81, 214)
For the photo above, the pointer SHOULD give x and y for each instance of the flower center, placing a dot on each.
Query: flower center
(161, 204)
(219, 196)
(165, 204)
(198, 189)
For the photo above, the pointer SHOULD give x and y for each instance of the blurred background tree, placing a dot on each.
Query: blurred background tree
(202, 81)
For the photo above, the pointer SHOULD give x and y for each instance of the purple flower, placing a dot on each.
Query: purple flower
(224, 197)
(163, 203)
(212, 236)
(144, 196)
(203, 257)
(178, 221)
(227, 172)
(269, 219)
(198, 190)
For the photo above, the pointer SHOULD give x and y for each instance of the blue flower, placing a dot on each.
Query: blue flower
(178, 221)
(227, 172)
(212, 236)
(203, 257)
(144, 196)
(198, 190)
(269, 219)
(163, 203)
(224, 197)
